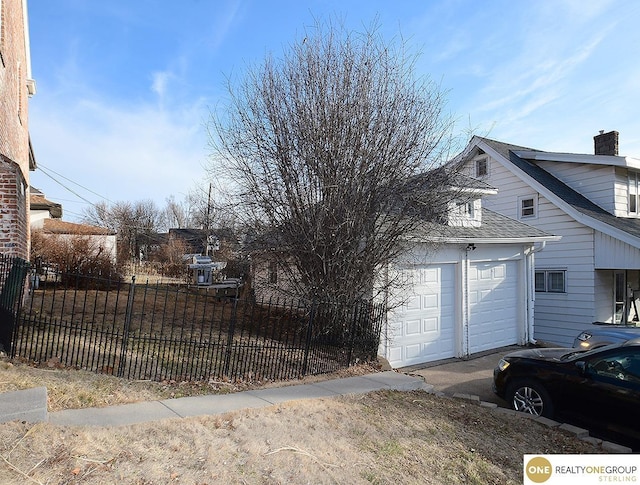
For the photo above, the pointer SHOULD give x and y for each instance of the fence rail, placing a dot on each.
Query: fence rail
(165, 332)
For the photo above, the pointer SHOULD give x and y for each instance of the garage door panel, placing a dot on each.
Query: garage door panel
(493, 300)
(431, 325)
(423, 329)
(413, 328)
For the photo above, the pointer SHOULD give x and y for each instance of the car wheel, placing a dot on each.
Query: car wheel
(530, 397)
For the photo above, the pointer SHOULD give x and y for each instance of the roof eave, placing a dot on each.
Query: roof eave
(614, 160)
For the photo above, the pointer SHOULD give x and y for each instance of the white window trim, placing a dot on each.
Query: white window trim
(633, 188)
(521, 199)
(476, 163)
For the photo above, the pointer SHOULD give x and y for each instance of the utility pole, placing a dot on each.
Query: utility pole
(208, 222)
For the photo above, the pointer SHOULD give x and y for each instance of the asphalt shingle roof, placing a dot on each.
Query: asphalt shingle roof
(494, 227)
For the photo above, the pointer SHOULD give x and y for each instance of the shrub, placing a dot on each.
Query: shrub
(76, 254)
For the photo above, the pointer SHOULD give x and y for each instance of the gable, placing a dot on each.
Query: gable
(513, 175)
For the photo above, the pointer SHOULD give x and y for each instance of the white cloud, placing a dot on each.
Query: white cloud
(124, 153)
(160, 81)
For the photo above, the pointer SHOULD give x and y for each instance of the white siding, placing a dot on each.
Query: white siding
(559, 317)
(621, 191)
(613, 253)
(604, 297)
(509, 189)
(595, 182)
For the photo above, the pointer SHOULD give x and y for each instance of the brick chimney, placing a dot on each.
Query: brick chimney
(606, 143)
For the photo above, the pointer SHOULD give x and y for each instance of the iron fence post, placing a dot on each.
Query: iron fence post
(352, 339)
(127, 324)
(230, 334)
(307, 350)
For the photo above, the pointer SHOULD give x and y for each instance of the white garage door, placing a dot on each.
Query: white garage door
(423, 329)
(493, 300)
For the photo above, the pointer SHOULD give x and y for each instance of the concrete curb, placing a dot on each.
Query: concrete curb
(28, 405)
(582, 434)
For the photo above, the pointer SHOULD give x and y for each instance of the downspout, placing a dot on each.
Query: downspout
(531, 290)
(465, 300)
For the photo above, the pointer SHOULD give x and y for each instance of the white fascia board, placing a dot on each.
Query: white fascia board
(481, 240)
(616, 161)
(578, 216)
(465, 153)
(474, 190)
(513, 240)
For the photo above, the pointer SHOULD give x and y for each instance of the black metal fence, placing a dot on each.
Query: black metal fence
(164, 332)
(13, 272)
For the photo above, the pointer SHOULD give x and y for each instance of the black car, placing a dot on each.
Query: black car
(602, 334)
(598, 389)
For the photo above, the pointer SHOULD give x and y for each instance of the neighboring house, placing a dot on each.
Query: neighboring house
(16, 155)
(592, 201)
(40, 208)
(101, 238)
(46, 216)
(469, 284)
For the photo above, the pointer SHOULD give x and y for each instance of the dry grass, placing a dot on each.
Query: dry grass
(382, 437)
(75, 389)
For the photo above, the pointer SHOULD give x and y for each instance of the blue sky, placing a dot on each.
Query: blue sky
(125, 88)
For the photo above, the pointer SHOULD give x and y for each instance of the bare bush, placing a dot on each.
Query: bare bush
(330, 151)
(78, 254)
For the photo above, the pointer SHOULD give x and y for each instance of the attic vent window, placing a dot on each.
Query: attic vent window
(527, 207)
(482, 168)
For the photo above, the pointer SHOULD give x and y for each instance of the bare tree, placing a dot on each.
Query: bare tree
(333, 149)
(129, 220)
(176, 214)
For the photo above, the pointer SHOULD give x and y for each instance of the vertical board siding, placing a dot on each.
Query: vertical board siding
(613, 253)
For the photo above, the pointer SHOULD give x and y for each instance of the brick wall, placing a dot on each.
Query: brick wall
(14, 131)
(606, 143)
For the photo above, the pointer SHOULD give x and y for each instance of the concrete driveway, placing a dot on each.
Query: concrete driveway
(470, 376)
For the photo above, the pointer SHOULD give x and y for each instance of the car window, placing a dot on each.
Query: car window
(624, 367)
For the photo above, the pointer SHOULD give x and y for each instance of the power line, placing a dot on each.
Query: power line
(46, 171)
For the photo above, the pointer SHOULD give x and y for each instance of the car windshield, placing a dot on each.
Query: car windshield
(575, 353)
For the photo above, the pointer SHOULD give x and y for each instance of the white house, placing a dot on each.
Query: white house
(45, 216)
(471, 292)
(592, 274)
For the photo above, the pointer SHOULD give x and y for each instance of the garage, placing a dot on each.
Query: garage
(432, 324)
(423, 329)
(493, 305)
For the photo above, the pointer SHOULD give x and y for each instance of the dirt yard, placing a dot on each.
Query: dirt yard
(378, 438)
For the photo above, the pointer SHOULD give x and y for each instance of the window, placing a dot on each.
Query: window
(465, 209)
(482, 168)
(273, 272)
(527, 207)
(550, 281)
(634, 183)
(624, 366)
